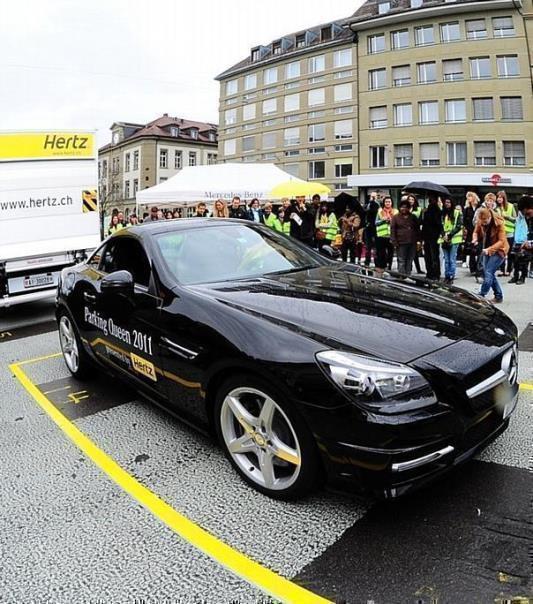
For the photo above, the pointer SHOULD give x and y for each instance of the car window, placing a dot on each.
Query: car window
(126, 254)
(203, 255)
(96, 257)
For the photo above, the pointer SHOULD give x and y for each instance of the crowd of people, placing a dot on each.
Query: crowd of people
(485, 236)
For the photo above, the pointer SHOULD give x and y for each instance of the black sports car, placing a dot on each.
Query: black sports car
(304, 367)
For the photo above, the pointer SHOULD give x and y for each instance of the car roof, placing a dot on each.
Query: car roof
(156, 227)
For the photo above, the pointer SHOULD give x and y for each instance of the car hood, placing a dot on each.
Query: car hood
(344, 308)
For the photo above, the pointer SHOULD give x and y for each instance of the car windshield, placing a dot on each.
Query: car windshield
(228, 252)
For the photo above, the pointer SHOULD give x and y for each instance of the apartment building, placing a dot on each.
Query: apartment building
(143, 155)
(408, 90)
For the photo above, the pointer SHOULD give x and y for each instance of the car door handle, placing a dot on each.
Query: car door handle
(89, 297)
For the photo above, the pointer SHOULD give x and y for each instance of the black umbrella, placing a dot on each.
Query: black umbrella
(424, 186)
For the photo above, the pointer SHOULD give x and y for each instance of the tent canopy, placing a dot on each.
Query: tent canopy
(219, 181)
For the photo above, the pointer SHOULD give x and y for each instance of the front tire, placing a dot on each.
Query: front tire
(266, 441)
(76, 358)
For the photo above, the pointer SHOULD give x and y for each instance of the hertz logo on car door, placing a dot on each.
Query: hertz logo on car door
(143, 367)
(19, 146)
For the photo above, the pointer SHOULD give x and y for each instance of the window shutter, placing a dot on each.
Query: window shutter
(403, 151)
(378, 113)
(485, 149)
(513, 149)
(512, 108)
(452, 66)
(483, 109)
(429, 151)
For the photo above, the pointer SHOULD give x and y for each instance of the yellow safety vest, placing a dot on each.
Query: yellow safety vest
(382, 226)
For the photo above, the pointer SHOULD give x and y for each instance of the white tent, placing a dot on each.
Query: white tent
(219, 181)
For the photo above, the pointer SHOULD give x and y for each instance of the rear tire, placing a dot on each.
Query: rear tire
(76, 358)
(265, 439)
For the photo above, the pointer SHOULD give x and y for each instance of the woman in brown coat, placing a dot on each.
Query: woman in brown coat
(490, 232)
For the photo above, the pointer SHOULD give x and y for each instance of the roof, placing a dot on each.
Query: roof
(343, 35)
(160, 127)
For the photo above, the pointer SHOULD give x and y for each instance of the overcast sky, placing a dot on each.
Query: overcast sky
(86, 64)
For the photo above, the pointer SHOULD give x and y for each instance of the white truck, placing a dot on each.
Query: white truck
(49, 215)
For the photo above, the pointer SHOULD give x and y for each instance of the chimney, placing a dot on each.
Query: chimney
(165, 114)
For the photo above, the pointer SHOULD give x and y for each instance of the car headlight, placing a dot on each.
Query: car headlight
(369, 380)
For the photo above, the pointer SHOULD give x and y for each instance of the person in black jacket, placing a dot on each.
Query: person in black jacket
(302, 222)
(431, 229)
(236, 210)
(371, 211)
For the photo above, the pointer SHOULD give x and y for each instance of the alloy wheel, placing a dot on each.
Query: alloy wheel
(69, 345)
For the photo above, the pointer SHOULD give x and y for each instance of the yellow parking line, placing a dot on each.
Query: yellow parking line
(236, 562)
(526, 386)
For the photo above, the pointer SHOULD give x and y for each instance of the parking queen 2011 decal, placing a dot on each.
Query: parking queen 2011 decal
(134, 338)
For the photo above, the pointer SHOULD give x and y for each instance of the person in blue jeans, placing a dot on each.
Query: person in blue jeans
(490, 231)
(451, 237)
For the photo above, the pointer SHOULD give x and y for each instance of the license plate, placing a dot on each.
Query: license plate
(38, 281)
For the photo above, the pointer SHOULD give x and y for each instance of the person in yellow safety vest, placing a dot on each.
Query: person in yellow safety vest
(268, 215)
(384, 247)
(326, 225)
(416, 211)
(508, 212)
(451, 237)
(280, 224)
(115, 225)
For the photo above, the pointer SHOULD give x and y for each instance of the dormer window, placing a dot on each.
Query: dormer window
(174, 131)
(194, 133)
(116, 137)
(384, 7)
(255, 54)
(416, 3)
(300, 41)
(211, 135)
(325, 34)
(276, 47)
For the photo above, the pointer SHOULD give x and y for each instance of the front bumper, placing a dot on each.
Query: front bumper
(429, 447)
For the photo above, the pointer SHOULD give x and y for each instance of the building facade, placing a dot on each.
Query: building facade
(143, 155)
(406, 88)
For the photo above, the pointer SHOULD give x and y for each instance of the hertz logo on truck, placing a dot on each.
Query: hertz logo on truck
(21, 146)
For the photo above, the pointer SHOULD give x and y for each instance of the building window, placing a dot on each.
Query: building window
(427, 72)
(230, 146)
(378, 157)
(192, 158)
(452, 70)
(249, 126)
(403, 156)
(378, 117)
(485, 153)
(316, 150)
(384, 7)
(343, 167)
(343, 74)
(343, 129)
(174, 131)
(248, 143)
(400, 39)
(416, 3)
(276, 48)
(450, 32)
(376, 43)
(316, 97)
(514, 153)
(270, 76)
(291, 136)
(342, 92)
(127, 189)
(401, 75)
(269, 140)
(343, 148)
(292, 169)
(232, 87)
(325, 34)
(456, 154)
(317, 133)
(512, 108)
(292, 102)
(178, 163)
(377, 78)
(270, 106)
(317, 80)
(136, 160)
(296, 117)
(135, 186)
(212, 136)
(429, 154)
(483, 109)
(292, 70)
(116, 165)
(342, 58)
(508, 66)
(315, 114)
(428, 112)
(476, 29)
(230, 116)
(317, 64)
(455, 110)
(163, 158)
(292, 153)
(127, 162)
(291, 85)
(248, 112)
(480, 68)
(317, 169)
(345, 109)
(503, 27)
(300, 40)
(424, 35)
(193, 132)
(250, 81)
(403, 114)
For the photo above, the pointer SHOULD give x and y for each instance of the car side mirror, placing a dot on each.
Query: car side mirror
(329, 252)
(119, 282)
